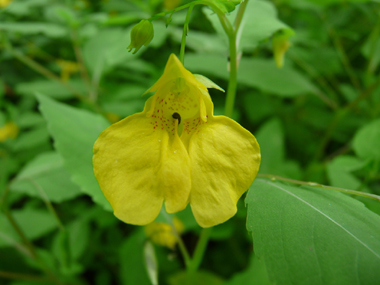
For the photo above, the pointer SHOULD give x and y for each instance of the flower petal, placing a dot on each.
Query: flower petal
(225, 159)
(138, 166)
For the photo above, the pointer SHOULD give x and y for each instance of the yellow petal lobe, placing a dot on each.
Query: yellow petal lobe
(138, 164)
(225, 159)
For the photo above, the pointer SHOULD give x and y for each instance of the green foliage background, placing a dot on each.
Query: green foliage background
(316, 119)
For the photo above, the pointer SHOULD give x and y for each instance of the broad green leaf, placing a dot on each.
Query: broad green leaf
(313, 236)
(25, 28)
(50, 88)
(366, 142)
(74, 132)
(258, 73)
(45, 175)
(131, 256)
(339, 172)
(34, 223)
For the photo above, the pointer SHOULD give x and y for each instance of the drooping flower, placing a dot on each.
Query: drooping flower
(176, 151)
(163, 234)
(8, 131)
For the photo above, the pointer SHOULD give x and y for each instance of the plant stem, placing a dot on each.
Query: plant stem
(80, 61)
(373, 38)
(48, 204)
(320, 80)
(184, 34)
(232, 83)
(231, 32)
(31, 250)
(47, 73)
(344, 58)
(21, 276)
(339, 115)
(199, 250)
(313, 184)
(181, 244)
(240, 14)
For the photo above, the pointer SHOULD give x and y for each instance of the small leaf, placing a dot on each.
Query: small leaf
(339, 172)
(34, 223)
(366, 142)
(45, 175)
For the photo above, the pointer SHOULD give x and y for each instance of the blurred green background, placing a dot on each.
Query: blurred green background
(316, 119)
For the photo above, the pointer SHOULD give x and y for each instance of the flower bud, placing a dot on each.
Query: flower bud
(141, 34)
(280, 44)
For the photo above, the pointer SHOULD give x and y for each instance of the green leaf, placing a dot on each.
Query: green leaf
(33, 138)
(29, 119)
(75, 132)
(313, 236)
(271, 139)
(132, 269)
(258, 73)
(78, 238)
(46, 174)
(34, 223)
(25, 28)
(50, 88)
(106, 50)
(366, 142)
(339, 172)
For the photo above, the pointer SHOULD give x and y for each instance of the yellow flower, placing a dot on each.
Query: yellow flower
(162, 233)
(67, 68)
(176, 152)
(8, 131)
(4, 3)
